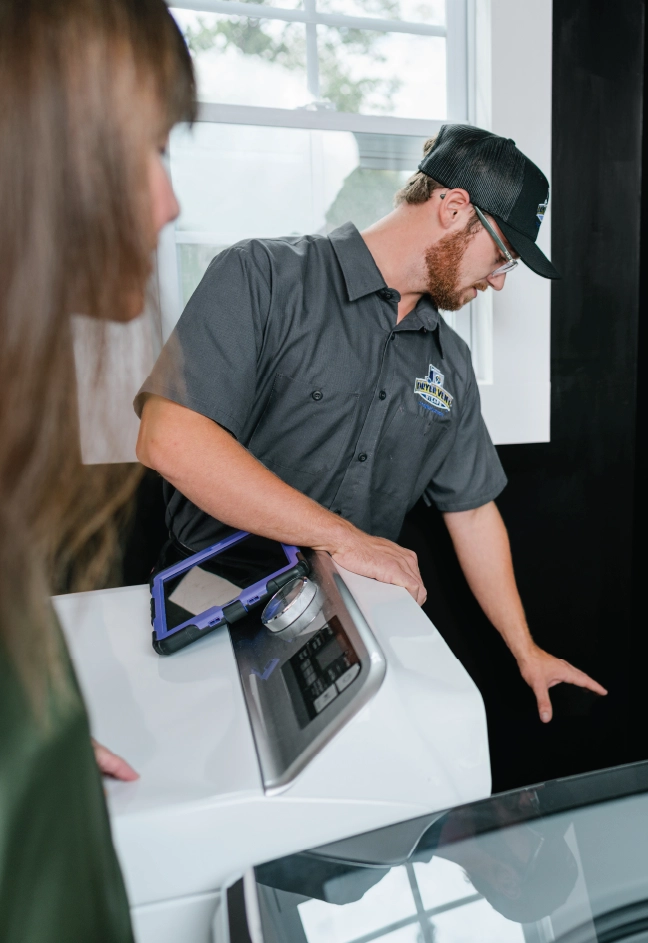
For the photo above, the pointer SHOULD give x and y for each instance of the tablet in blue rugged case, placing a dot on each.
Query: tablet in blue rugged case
(217, 586)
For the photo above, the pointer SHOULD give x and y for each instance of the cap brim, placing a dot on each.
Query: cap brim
(528, 251)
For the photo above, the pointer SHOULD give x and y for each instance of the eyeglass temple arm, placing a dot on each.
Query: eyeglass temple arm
(489, 229)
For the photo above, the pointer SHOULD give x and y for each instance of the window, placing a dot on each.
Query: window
(313, 112)
(321, 131)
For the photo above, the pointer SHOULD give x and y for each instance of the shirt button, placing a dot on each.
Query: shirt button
(385, 294)
(362, 457)
(382, 395)
(317, 395)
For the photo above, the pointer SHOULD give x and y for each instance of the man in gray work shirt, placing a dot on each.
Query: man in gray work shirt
(312, 393)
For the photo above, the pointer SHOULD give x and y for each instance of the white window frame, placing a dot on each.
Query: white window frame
(490, 83)
(455, 32)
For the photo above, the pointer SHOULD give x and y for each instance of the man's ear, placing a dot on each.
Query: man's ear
(453, 206)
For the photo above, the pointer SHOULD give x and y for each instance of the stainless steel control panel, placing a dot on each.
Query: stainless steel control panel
(301, 690)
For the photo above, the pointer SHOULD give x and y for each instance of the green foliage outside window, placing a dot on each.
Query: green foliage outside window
(284, 44)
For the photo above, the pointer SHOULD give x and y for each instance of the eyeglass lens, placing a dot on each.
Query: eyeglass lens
(507, 267)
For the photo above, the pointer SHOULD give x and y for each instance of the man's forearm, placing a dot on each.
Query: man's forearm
(207, 465)
(216, 473)
(482, 546)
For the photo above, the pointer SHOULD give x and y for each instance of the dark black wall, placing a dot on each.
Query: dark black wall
(146, 532)
(639, 659)
(575, 506)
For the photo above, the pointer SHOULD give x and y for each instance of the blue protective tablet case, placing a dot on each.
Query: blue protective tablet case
(167, 640)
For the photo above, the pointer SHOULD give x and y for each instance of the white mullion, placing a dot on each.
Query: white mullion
(318, 205)
(260, 11)
(341, 20)
(168, 275)
(324, 120)
(312, 58)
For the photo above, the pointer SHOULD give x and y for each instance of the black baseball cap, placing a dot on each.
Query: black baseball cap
(500, 180)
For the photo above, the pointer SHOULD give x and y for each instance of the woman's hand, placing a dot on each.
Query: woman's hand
(112, 765)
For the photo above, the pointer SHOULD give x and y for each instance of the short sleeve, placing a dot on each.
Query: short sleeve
(471, 475)
(209, 363)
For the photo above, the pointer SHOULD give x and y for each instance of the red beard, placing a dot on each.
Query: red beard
(443, 261)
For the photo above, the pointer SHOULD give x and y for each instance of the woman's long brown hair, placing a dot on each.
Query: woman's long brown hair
(86, 86)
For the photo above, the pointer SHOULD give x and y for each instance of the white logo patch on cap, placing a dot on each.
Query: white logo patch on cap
(542, 209)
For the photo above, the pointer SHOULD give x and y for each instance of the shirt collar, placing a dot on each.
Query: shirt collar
(427, 313)
(362, 275)
(425, 316)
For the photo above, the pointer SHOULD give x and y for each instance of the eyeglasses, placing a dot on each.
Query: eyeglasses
(510, 263)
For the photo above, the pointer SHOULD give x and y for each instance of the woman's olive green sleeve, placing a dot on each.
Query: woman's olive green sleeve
(60, 881)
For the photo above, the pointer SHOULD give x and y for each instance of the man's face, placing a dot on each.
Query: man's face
(461, 264)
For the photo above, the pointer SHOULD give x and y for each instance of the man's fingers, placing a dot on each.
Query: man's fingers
(570, 675)
(419, 593)
(579, 678)
(544, 704)
(384, 560)
(543, 671)
(413, 586)
(407, 563)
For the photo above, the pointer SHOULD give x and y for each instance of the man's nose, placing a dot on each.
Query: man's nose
(496, 281)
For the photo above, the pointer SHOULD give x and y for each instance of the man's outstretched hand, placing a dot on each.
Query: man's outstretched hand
(542, 671)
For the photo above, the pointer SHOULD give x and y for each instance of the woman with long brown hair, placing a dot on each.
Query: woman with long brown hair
(89, 90)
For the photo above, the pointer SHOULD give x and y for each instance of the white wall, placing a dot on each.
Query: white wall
(112, 361)
(516, 403)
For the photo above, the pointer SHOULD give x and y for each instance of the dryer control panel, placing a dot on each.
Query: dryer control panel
(321, 670)
(301, 691)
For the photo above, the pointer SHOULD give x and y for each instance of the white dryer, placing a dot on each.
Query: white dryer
(251, 745)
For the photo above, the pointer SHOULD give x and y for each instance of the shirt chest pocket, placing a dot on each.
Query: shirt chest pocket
(414, 442)
(304, 426)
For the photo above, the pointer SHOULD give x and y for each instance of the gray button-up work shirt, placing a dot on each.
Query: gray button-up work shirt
(293, 346)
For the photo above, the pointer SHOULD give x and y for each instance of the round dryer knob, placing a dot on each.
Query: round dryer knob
(293, 607)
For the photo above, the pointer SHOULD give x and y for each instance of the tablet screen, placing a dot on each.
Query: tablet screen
(218, 580)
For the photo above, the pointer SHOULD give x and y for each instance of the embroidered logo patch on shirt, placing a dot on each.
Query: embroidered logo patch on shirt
(430, 389)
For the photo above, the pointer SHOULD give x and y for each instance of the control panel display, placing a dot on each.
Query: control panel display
(323, 668)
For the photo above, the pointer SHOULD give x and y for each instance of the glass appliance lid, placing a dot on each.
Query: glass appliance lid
(562, 861)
